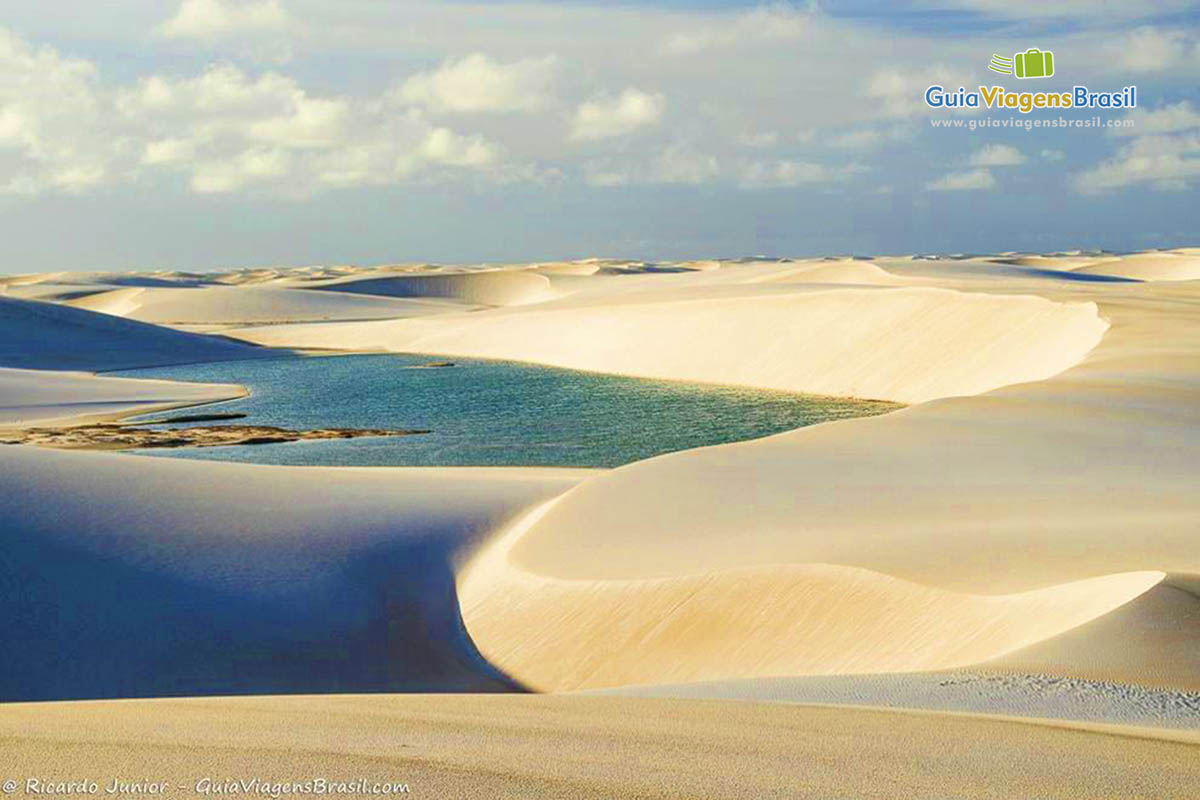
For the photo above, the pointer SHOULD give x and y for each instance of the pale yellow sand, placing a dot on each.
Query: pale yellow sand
(47, 336)
(1068, 456)
(1035, 511)
(1165, 266)
(593, 747)
(252, 305)
(497, 287)
(41, 397)
(908, 345)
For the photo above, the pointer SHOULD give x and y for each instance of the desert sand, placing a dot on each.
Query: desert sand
(603, 748)
(1019, 540)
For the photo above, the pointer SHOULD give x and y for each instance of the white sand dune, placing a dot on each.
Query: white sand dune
(1020, 517)
(37, 335)
(477, 287)
(29, 397)
(253, 305)
(146, 576)
(1154, 640)
(1029, 487)
(1167, 266)
(907, 345)
(813, 619)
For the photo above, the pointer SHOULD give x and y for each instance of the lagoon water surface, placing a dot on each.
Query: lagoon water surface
(488, 413)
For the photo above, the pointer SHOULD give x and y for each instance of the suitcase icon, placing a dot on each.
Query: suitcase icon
(1034, 63)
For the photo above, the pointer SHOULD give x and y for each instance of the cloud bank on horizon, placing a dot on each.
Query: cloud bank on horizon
(215, 132)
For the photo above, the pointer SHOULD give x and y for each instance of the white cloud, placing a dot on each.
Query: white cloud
(1053, 155)
(53, 135)
(861, 139)
(997, 155)
(1063, 9)
(230, 131)
(223, 130)
(606, 117)
(678, 163)
(778, 22)
(606, 175)
(682, 164)
(901, 93)
(1165, 119)
(1164, 162)
(477, 83)
(213, 19)
(223, 101)
(1163, 153)
(168, 151)
(1149, 49)
(444, 146)
(758, 139)
(963, 181)
(786, 173)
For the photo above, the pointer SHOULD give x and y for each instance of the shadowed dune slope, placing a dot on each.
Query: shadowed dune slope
(126, 576)
(36, 335)
(1165, 266)
(481, 287)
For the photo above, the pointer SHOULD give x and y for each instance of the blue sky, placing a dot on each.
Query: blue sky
(215, 133)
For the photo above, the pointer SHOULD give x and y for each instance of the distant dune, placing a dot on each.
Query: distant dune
(906, 345)
(251, 305)
(484, 287)
(1165, 266)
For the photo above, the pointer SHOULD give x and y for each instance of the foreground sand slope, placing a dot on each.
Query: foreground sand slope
(129, 576)
(592, 747)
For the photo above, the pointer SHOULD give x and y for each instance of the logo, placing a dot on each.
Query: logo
(1033, 63)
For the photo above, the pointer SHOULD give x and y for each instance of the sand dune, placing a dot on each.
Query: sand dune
(972, 690)
(479, 287)
(1020, 517)
(842, 272)
(145, 576)
(1047, 478)
(754, 622)
(907, 345)
(253, 305)
(1149, 267)
(38, 335)
(41, 397)
(595, 747)
(1154, 640)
